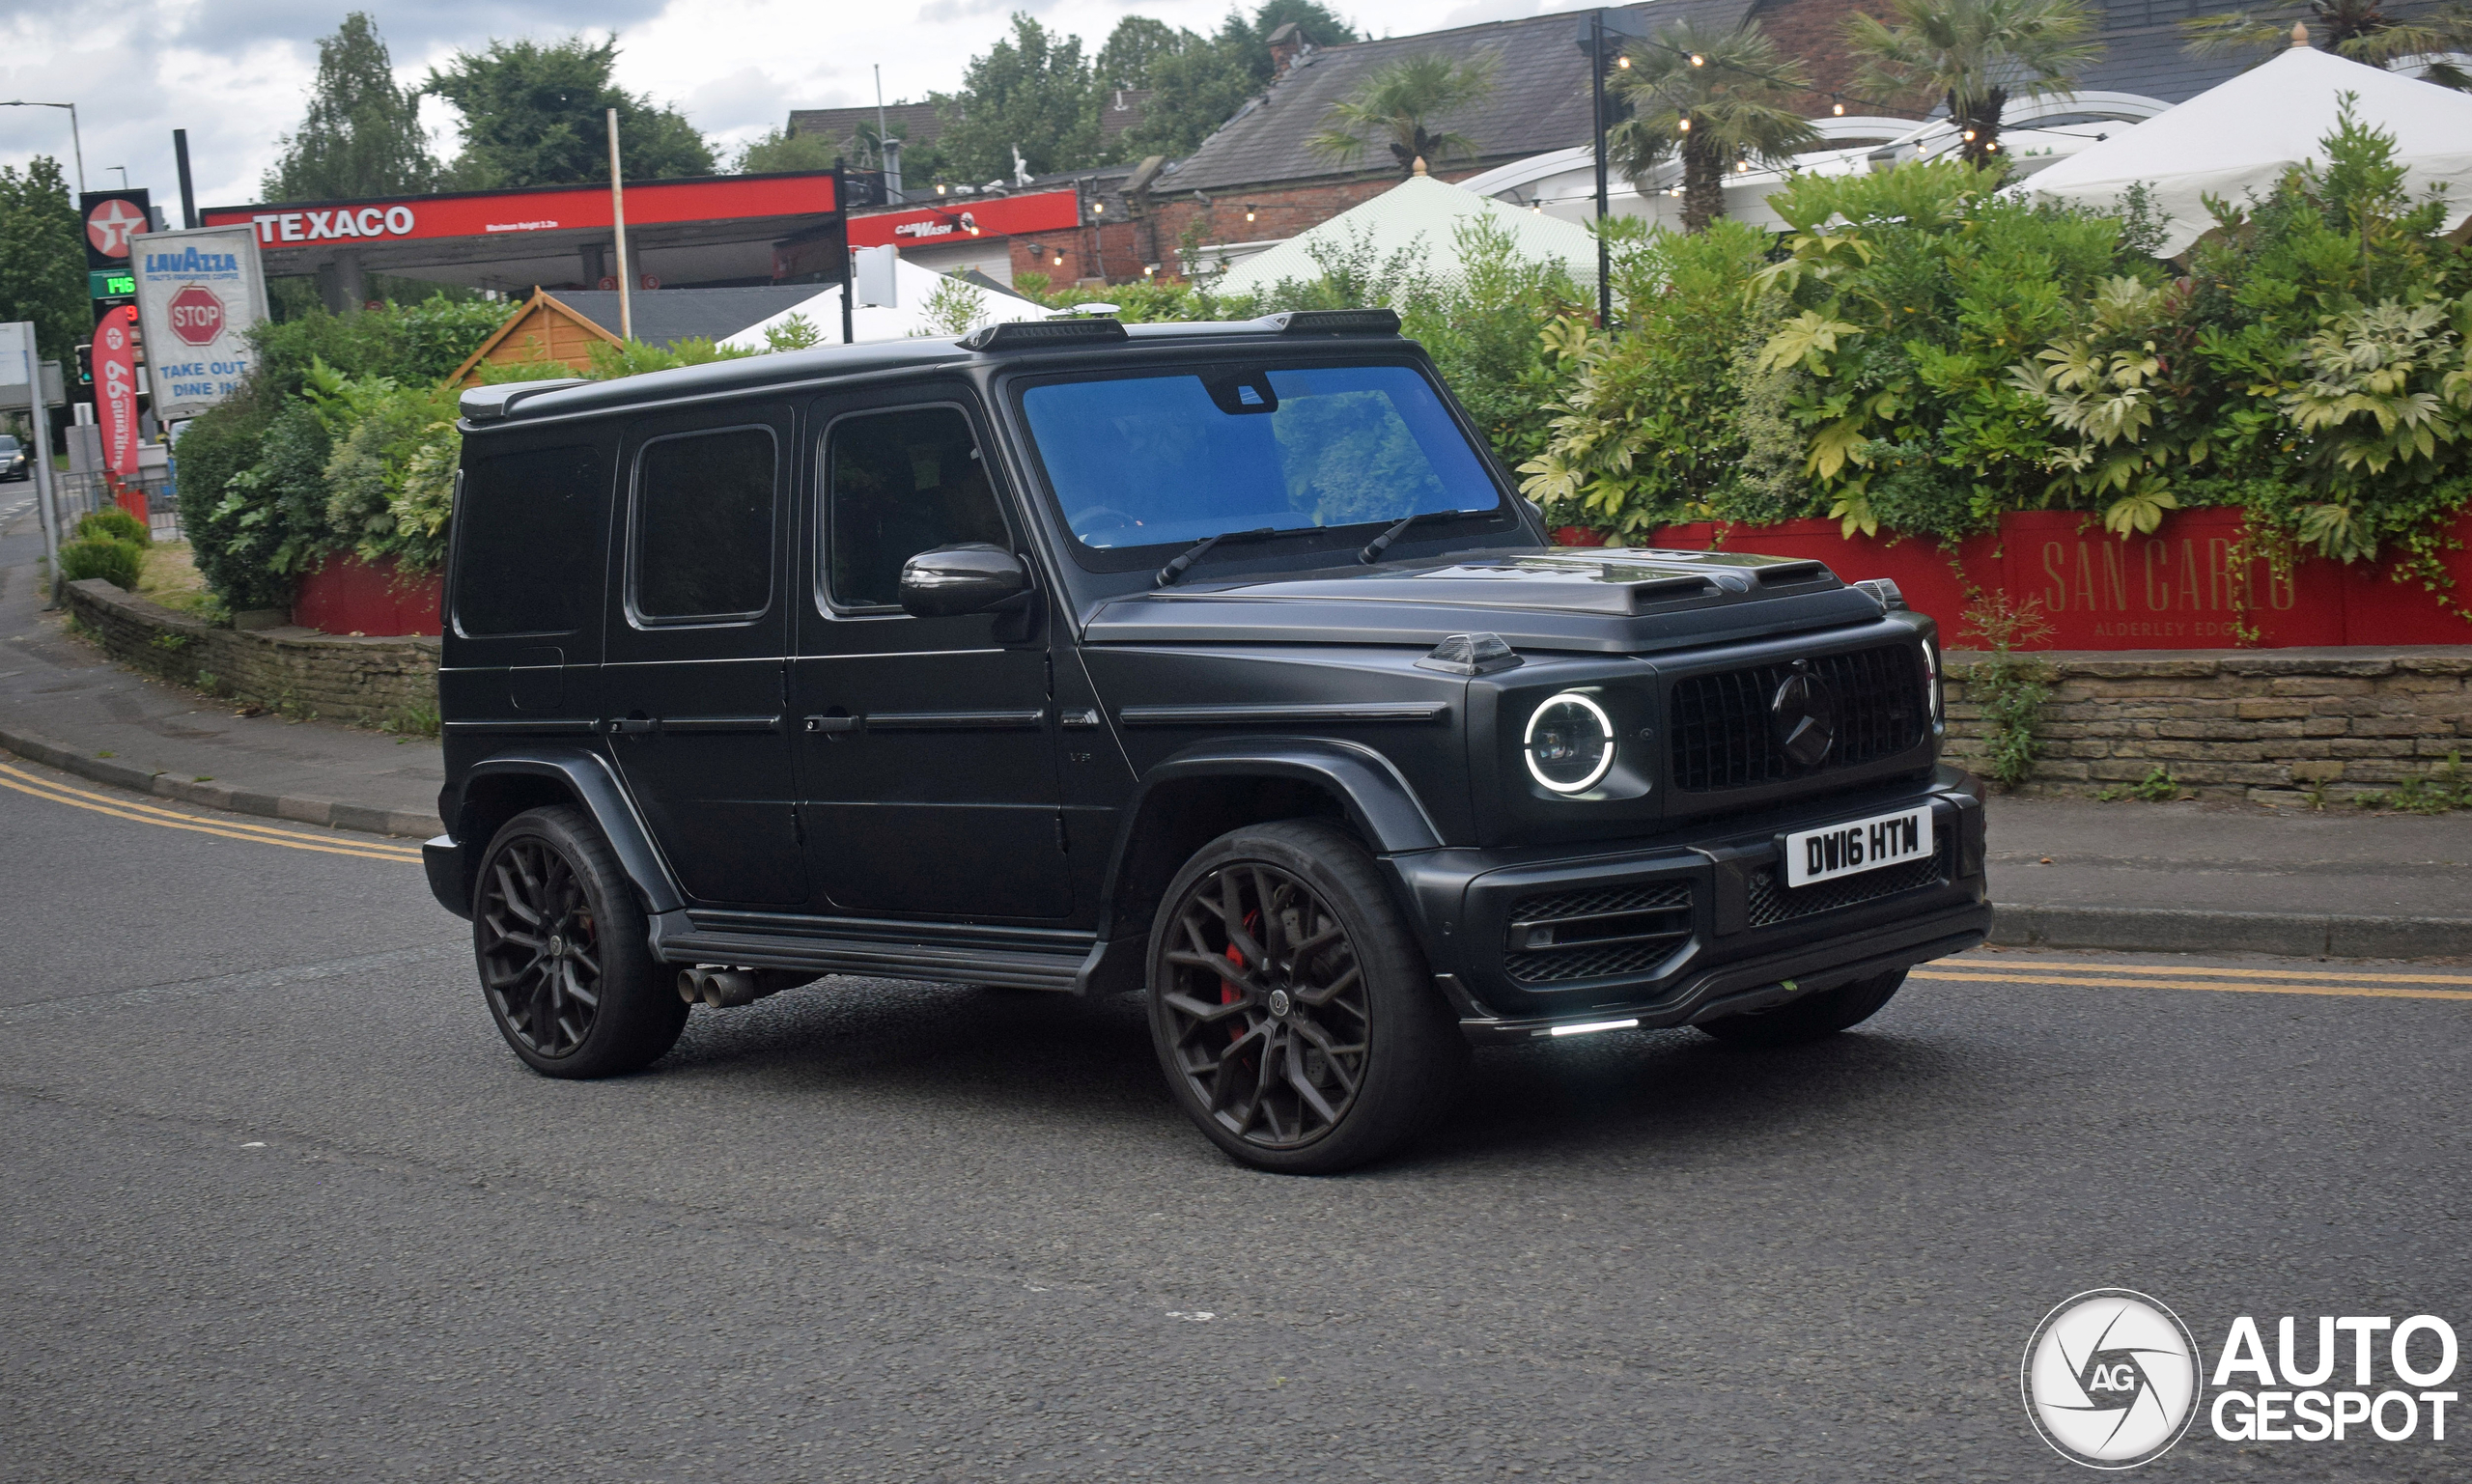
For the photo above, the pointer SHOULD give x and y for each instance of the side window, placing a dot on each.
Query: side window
(899, 484)
(703, 536)
(528, 548)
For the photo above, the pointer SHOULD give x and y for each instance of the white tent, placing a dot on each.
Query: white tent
(913, 285)
(1419, 214)
(2238, 138)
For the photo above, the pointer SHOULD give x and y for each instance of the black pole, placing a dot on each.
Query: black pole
(188, 193)
(1596, 117)
(848, 277)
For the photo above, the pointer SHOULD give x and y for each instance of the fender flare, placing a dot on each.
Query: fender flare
(589, 779)
(1376, 798)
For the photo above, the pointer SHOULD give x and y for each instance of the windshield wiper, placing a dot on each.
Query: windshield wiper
(1374, 548)
(1177, 568)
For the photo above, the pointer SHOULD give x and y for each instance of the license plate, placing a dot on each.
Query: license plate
(1861, 845)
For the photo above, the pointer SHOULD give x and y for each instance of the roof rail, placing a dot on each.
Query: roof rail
(1334, 321)
(494, 404)
(1022, 334)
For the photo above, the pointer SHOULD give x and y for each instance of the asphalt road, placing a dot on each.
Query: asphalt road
(279, 1205)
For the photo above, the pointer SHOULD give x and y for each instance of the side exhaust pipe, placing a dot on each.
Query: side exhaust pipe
(724, 988)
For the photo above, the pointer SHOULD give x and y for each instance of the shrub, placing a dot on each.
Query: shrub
(116, 562)
(115, 524)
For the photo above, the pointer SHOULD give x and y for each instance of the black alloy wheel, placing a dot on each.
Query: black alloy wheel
(1290, 1008)
(560, 946)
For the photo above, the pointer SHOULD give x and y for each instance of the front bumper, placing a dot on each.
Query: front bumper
(1691, 928)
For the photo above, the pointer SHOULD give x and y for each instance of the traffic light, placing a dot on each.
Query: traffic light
(85, 363)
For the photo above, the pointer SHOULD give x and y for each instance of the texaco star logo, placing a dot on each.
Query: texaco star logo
(109, 225)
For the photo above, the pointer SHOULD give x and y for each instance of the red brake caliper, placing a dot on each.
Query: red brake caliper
(1228, 993)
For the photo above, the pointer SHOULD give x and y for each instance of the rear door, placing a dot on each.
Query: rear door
(927, 761)
(698, 643)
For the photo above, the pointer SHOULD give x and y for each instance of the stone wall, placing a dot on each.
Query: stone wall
(2269, 725)
(298, 672)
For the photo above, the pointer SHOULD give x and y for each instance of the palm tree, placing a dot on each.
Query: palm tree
(1975, 55)
(2357, 29)
(1720, 99)
(1397, 99)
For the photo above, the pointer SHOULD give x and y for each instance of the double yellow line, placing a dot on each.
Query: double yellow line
(2155, 976)
(123, 809)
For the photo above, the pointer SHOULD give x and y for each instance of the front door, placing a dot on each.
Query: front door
(927, 761)
(698, 629)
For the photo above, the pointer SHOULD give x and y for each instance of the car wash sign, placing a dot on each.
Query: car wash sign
(198, 294)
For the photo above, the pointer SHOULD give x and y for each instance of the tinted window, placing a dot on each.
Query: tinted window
(528, 548)
(704, 525)
(1138, 460)
(902, 483)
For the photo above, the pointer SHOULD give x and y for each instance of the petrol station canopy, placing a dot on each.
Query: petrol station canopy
(709, 231)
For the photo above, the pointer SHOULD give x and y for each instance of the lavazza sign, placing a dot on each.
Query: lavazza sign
(198, 294)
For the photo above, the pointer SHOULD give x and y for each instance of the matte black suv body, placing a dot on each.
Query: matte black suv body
(674, 625)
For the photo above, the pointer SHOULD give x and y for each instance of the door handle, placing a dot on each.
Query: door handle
(830, 724)
(631, 726)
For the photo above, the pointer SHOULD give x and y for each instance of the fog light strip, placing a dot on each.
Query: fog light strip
(1586, 1027)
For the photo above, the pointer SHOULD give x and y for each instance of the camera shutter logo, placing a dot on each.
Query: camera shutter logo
(2110, 1378)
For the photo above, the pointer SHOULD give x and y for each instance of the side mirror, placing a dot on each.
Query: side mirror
(971, 577)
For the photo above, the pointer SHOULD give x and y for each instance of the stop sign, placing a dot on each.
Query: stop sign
(196, 314)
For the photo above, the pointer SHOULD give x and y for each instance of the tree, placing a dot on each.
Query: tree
(362, 135)
(1397, 99)
(2356, 29)
(1975, 55)
(782, 150)
(535, 115)
(1196, 89)
(42, 257)
(1030, 93)
(1132, 48)
(1715, 96)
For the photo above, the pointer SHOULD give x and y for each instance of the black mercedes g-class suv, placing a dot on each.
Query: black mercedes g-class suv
(1218, 663)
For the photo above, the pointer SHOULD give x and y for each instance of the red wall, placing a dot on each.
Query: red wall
(346, 595)
(2176, 589)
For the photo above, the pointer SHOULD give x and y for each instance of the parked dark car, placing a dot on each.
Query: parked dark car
(15, 464)
(1217, 663)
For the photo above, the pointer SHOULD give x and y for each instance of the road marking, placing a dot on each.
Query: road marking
(149, 814)
(2354, 987)
(2319, 975)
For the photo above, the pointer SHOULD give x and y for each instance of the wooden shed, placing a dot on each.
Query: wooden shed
(540, 329)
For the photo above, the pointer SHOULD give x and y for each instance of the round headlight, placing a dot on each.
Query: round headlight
(1570, 743)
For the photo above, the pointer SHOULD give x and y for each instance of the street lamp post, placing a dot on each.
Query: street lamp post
(76, 144)
(1619, 26)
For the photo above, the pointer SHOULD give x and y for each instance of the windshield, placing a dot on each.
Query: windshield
(1148, 460)
(8, 444)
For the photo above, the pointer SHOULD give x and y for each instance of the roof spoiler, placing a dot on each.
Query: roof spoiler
(495, 404)
(1333, 321)
(1024, 334)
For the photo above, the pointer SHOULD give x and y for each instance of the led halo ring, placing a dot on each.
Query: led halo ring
(1528, 742)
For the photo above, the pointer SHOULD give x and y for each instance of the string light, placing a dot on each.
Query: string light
(1969, 136)
(1686, 126)
(1249, 211)
(1624, 62)
(1697, 60)
(1839, 108)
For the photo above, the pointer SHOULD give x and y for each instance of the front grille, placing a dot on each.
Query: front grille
(1723, 739)
(1770, 899)
(1595, 933)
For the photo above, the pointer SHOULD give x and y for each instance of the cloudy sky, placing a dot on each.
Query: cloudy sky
(234, 72)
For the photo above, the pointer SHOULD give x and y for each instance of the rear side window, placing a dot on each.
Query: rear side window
(703, 547)
(902, 483)
(528, 555)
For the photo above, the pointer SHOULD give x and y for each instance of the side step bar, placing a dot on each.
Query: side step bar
(678, 939)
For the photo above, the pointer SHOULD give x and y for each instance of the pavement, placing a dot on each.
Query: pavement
(281, 1206)
(2131, 876)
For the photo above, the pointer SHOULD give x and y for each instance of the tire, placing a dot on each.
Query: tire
(559, 940)
(1306, 1063)
(1823, 1014)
